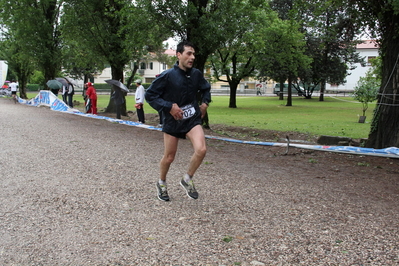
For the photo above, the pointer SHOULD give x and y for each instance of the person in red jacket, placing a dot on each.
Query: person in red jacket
(92, 95)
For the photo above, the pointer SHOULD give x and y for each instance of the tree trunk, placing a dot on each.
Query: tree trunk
(22, 87)
(23, 71)
(200, 61)
(289, 97)
(322, 90)
(281, 94)
(384, 130)
(130, 79)
(233, 94)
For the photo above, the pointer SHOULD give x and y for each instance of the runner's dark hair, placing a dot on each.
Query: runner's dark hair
(182, 44)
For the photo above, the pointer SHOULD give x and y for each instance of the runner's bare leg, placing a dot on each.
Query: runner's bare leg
(170, 148)
(197, 138)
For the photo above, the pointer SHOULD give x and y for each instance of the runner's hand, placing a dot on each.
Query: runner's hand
(203, 108)
(176, 112)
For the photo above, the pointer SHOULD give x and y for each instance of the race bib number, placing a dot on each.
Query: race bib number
(188, 111)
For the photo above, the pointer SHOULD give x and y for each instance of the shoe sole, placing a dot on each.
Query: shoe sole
(187, 191)
(158, 195)
(161, 199)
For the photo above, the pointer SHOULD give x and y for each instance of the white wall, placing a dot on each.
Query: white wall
(355, 74)
(3, 72)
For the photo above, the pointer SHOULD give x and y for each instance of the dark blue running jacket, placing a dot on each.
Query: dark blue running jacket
(178, 86)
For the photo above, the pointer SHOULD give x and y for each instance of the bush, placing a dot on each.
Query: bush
(102, 87)
(34, 87)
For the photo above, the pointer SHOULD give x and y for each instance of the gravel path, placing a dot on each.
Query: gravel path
(81, 191)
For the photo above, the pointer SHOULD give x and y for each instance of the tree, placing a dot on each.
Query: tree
(80, 63)
(381, 17)
(115, 31)
(237, 58)
(366, 90)
(18, 63)
(329, 35)
(33, 26)
(208, 24)
(282, 54)
(232, 65)
(333, 33)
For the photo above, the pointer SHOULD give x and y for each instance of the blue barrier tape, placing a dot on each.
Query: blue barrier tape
(47, 98)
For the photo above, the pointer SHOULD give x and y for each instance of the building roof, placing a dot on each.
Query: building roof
(170, 52)
(367, 44)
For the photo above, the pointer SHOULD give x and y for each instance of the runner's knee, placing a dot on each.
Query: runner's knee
(201, 152)
(169, 158)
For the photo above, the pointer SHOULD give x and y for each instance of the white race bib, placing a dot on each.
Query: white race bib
(188, 111)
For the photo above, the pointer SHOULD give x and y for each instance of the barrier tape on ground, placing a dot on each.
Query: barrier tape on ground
(47, 98)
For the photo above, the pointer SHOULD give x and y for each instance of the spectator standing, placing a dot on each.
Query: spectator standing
(84, 92)
(92, 95)
(71, 92)
(139, 96)
(118, 100)
(65, 94)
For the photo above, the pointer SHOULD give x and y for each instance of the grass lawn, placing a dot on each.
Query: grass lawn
(333, 116)
(336, 116)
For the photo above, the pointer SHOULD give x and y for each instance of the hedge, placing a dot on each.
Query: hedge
(98, 86)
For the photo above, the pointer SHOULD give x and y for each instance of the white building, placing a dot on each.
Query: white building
(148, 70)
(369, 50)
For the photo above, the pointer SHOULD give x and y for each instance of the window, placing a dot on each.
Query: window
(142, 65)
(164, 66)
(151, 65)
(369, 59)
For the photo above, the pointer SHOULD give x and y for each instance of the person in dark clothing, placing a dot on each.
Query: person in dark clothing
(71, 92)
(117, 96)
(84, 92)
(65, 93)
(174, 93)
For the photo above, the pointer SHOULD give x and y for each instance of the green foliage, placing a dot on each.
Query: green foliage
(236, 59)
(33, 28)
(379, 20)
(108, 31)
(37, 77)
(227, 239)
(34, 87)
(366, 90)
(281, 51)
(20, 65)
(367, 87)
(103, 87)
(330, 35)
(116, 32)
(207, 24)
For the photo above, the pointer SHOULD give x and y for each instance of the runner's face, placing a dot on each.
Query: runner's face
(186, 59)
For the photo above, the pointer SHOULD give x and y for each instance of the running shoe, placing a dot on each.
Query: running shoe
(162, 192)
(190, 189)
